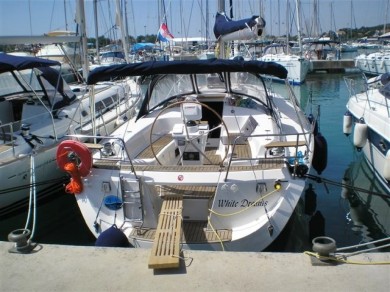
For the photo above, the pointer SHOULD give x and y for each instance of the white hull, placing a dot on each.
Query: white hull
(297, 67)
(374, 108)
(251, 234)
(374, 64)
(376, 161)
(75, 118)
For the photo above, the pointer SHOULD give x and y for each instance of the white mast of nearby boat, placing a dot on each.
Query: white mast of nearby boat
(119, 22)
(80, 19)
(221, 43)
(96, 31)
(299, 26)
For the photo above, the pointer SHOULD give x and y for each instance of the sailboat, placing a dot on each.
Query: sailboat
(38, 109)
(297, 66)
(214, 160)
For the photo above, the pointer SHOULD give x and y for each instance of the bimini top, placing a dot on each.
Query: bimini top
(106, 73)
(11, 63)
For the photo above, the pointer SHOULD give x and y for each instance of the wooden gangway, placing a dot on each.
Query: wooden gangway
(165, 252)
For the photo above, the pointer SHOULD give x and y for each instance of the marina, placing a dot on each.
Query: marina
(60, 222)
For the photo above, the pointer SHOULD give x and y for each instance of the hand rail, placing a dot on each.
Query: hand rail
(122, 143)
(11, 133)
(296, 145)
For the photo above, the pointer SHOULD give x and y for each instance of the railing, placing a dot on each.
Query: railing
(297, 143)
(273, 144)
(4, 134)
(356, 89)
(121, 143)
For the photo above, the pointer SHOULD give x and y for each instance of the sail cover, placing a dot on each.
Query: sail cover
(243, 29)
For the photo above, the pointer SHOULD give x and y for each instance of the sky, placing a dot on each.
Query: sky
(185, 18)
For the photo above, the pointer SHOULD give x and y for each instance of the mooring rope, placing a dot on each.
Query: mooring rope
(325, 181)
(35, 184)
(32, 207)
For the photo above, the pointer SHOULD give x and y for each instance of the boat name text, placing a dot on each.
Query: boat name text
(243, 203)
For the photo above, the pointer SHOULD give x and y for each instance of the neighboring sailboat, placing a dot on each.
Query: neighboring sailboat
(296, 65)
(37, 110)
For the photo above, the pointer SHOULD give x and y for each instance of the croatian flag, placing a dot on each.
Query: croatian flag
(163, 33)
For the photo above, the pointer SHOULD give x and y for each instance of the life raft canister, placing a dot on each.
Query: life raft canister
(76, 171)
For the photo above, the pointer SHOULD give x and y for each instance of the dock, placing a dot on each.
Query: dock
(331, 66)
(89, 268)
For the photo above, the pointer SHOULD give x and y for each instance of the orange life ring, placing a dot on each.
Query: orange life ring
(76, 171)
(80, 149)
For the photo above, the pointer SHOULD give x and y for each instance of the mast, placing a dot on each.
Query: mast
(66, 21)
(80, 17)
(207, 25)
(221, 44)
(299, 25)
(123, 32)
(96, 30)
(287, 27)
(387, 9)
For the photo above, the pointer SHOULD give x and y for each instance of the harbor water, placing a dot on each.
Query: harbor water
(330, 207)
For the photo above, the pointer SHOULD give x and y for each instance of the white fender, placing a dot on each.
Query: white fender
(347, 123)
(386, 167)
(360, 135)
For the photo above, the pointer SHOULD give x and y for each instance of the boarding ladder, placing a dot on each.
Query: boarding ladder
(132, 200)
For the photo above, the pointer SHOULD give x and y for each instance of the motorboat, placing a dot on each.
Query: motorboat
(374, 63)
(214, 160)
(37, 110)
(368, 119)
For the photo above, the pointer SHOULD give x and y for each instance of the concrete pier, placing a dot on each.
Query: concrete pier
(331, 66)
(77, 268)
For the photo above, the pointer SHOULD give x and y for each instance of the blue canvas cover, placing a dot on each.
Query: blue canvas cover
(224, 25)
(106, 73)
(142, 46)
(11, 63)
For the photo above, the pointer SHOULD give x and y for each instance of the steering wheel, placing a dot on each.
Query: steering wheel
(189, 140)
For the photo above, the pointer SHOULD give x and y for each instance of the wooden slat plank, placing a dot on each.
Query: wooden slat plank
(166, 246)
(194, 232)
(93, 146)
(158, 145)
(285, 144)
(4, 148)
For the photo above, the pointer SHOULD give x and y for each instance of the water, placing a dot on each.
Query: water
(348, 217)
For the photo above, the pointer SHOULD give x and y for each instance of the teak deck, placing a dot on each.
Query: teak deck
(166, 246)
